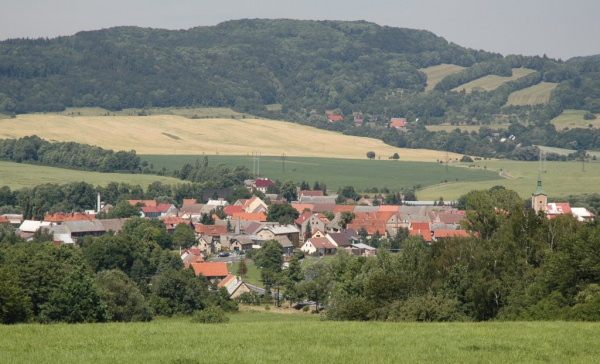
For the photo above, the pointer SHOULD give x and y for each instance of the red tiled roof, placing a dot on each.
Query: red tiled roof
(335, 118)
(559, 208)
(210, 270)
(450, 234)
(263, 182)
(61, 217)
(250, 216)
(148, 203)
(211, 230)
(232, 209)
(388, 208)
(225, 280)
(312, 193)
(303, 217)
(425, 234)
(161, 207)
(341, 208)
(419, 226)
(300, 207)
(4, 220)
(189, 201)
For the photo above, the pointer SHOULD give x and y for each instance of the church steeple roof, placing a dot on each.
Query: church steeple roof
(539, 190)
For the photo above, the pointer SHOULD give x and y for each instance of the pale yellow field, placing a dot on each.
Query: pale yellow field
(172, 135)
(492, 82)
(436, 73)
(574, 119)
(534, 95)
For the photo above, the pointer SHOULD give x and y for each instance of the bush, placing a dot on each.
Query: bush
(589, 116)
(428, 308)
(211, 315)
(249, 298)
(466, 159)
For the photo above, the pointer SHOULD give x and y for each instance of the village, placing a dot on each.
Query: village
(323, 227)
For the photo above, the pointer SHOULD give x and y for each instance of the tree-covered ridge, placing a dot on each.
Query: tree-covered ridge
(307, 67)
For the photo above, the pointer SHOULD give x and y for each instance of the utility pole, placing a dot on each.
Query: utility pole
(283, 162)
(446, 161)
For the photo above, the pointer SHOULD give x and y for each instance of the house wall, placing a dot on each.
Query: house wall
(308, 248)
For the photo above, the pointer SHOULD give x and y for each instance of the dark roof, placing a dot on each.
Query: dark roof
(221, 192)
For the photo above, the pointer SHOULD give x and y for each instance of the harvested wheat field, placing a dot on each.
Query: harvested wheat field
(176, 135)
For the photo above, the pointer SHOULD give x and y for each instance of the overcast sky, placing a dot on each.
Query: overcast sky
(557, 28)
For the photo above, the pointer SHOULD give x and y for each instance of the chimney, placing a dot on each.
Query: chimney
(98, 206)
(237, 226)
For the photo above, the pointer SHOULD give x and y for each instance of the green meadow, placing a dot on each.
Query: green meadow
(264, 337)
(559, 179)
(19, 175)
(570, 119)
(362, 174)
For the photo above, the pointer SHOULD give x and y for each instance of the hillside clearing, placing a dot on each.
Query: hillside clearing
(19, 175)
(492, 82)
(437, 73)
(218, 136)
(534, 95)
(277, 338)
(570, 119)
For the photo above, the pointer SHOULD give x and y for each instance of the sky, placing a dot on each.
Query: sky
(560, 29)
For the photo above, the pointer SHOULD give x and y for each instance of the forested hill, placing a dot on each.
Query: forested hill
(349, 67)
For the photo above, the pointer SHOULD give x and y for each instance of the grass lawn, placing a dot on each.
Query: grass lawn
(492, 82)
(437, 73)
(252, 276)
(534, 95)
(560, 179)
(570, 119)
(19, 175)
(261, 337)
(362, 174)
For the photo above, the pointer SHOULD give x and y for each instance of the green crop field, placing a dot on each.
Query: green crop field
(534, 95)
(437, 73)
(570, 119)
(265, 337)
(491, 82)
(559, 180)
(362, 174)
(19, 175)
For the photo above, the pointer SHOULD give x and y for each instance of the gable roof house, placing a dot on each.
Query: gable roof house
(319, 246)
(261, 184)
(213, 271)
(344, 238)
(334, 118)
(274, 231)
(157, 211)
(398, 124)
(254, 205)
(234, 285)
(313, 220)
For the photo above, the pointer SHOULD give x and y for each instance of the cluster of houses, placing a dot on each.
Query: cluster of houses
(319, 230)
(359, 120)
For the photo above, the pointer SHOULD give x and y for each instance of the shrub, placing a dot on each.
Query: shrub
(430, 307)
(589, 116)
(466, 159)
(305, 308)
(211, 315)
(267, 308)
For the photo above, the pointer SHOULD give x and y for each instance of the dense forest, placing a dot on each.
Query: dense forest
(307, 67)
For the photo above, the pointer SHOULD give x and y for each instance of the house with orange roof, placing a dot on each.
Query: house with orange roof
(443, 234)
(232, 209)
(62, 217)
(234, 285)
(213, 271)
(147, 203)
(4, 220)
(250, 216)
(302, 207)
(313, 221)
(398, 123)
(334, 118)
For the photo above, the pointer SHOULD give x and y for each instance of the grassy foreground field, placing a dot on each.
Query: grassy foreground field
(174, 134)
(362, 174)
(491, 82)
(560, 179)
(19, 175)
(570, 119)
(256, 337)
(534, 95)
(437, 73)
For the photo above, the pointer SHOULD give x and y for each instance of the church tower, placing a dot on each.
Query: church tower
(539, 199)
